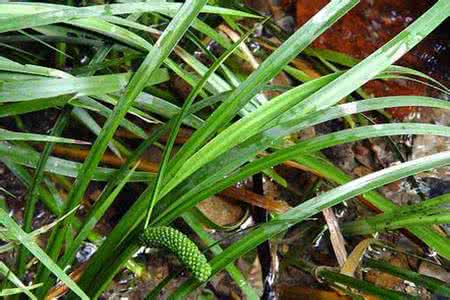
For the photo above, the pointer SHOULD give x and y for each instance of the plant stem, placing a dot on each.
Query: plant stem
(32, 194)
(434, 285)
(336, 278)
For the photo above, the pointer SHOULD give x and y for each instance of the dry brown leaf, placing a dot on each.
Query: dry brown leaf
(265, 202)
(353, 260)
(220, 211)
(337, 240)
(386, 280)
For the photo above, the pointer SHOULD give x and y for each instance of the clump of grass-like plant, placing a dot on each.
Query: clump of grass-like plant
(238, 131)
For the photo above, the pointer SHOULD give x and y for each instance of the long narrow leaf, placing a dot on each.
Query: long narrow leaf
(427, 212)
(7, 135)
(32, 194)
(250, 87)
(331, 93)
(28, 242)
(7, 273)
(178, 121)
(154, 59)
(60, 166)
(26, 15)
(45, 88)
(315, 205)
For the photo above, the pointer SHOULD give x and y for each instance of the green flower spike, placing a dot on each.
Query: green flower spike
(179, 244)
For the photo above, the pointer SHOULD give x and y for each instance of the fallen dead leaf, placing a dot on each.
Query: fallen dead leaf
(432, 270)
(220, 211)
(388, 281)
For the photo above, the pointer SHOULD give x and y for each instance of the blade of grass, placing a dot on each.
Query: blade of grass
(164, 108)
(92, 85)
(153, 60)
(314, 206)
(53, 204)
(26, 15)
(436, 286)
(12, 66)
(95, 214)
(29, 158)
(380, 58)
(307, 146)
(430, 237)
(348, 61)
(370, 226)
(361, 285)
(427, 212)
(28, 242)
(112, 62)
(8, 135)
(331, 93)
(32, 194)
(97, 107)
(7, 273)
(69, 254)
(15, 291)
(113, 31)
(85, 118)
(18, 108)
(219, 177)
(63, 54)
(178, 121)
(250, 87)
(208, 188)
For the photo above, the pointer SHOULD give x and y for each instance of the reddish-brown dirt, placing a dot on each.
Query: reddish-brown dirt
(371, 24)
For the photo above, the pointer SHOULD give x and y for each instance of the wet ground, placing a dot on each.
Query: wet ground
(364, 29)
(368, 26)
